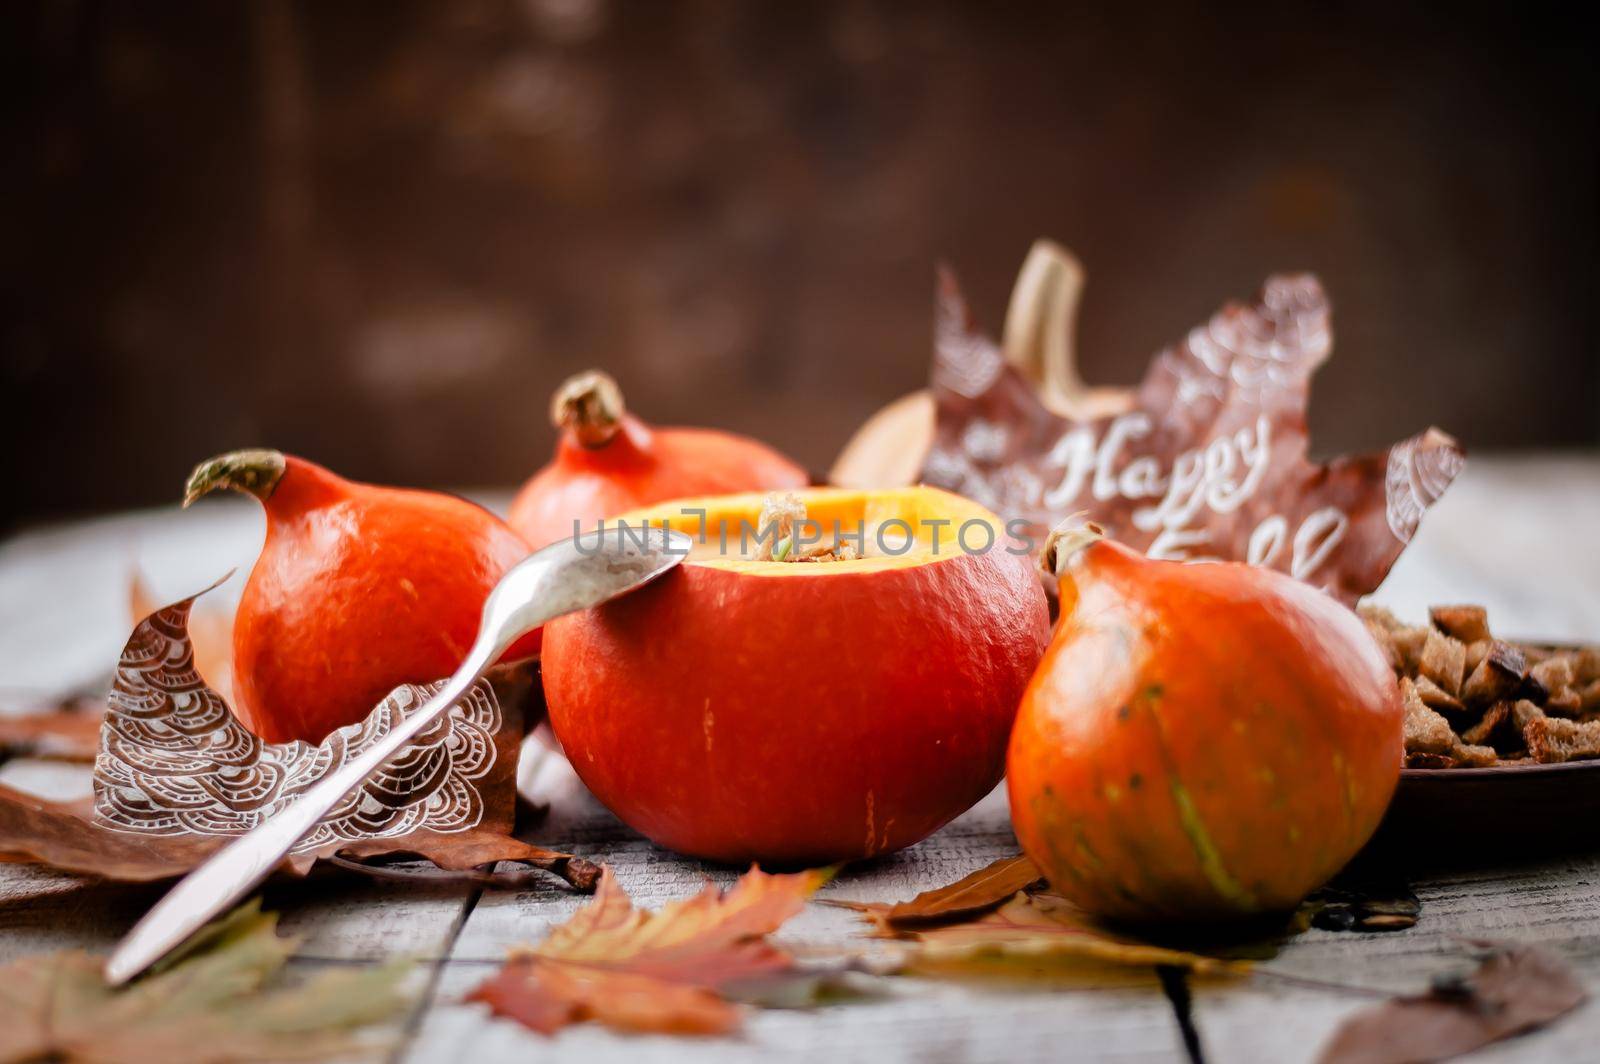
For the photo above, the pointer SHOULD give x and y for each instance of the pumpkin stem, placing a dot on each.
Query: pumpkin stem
(1040, 335)
(1065, 542)
(590, 404)
(252, 472)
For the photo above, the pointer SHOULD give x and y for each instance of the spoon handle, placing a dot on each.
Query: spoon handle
(559, 579)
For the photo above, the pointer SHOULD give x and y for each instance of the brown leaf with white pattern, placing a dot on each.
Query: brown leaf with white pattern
(176, 776)
(1208, 458)
(210, 632)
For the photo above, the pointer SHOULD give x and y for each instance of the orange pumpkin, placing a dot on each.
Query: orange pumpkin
(802, 712)
(1201, 740)
(608, 462)
(358, 589)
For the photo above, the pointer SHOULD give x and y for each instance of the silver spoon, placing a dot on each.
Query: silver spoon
(562, 578)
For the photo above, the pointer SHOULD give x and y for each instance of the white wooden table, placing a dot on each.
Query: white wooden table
(1514, 534)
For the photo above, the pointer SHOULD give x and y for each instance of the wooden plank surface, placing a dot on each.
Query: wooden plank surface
(338, 918)
(1547, 903)
(1514, 534)
(1120, 1015)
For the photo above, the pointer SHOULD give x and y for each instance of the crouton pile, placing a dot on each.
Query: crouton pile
(1473, 700)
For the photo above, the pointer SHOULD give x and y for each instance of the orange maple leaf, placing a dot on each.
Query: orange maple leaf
(665, 971)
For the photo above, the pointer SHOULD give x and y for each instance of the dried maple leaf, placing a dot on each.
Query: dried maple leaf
(1515, 989)
(1045, 926)
(210, 1004)
(667, 971)
(972, 895)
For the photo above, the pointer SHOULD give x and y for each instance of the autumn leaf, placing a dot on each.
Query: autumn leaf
(164, 801)
(972, 895)
(1041, 927)
(1233, 391)
(177, 775)
(69, 731)
(1515, 989)
(668, 971)
(210, 1004)
(64, 835)
(1004, 911)
(210, 632)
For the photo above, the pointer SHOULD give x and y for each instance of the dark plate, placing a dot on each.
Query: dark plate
(1503, 811)
(1500, 812)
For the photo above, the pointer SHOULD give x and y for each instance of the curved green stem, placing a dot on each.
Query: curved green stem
(252, 472)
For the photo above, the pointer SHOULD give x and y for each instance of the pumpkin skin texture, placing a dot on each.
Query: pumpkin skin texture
(608, 462)
(357, 589)
(799, 713)
(1202, 741)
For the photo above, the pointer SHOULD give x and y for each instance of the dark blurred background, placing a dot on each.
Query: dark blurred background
(378, 234)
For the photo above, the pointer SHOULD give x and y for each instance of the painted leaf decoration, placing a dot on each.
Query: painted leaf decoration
(174, 760)
(1044, 926)
(217, 1001)
(1209, 460)
(209, 630)
(1515, 989)
(669, 971)
(176, 776)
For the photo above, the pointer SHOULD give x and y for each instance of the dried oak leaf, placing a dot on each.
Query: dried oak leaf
(1516, 989)
(210, 1004)
(669, 971)
(1045, 926)
(986, 889)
